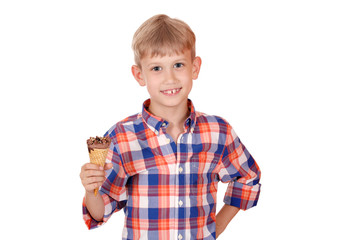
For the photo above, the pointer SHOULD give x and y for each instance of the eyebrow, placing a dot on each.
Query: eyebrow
(158, 63)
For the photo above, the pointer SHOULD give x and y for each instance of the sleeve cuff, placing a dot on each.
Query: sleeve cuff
(241, 195)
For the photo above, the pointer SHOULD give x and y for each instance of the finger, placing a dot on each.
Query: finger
(92, 180)
(93, 183)
(83, 169)
(92, 186)
(93, 173)
(91, 166)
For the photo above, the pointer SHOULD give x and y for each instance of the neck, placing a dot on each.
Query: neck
(174, 115)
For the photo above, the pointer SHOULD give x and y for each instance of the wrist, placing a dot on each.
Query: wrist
(90, 194)
(220, 228)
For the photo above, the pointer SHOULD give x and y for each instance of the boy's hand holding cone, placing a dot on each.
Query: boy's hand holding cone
(92, 175)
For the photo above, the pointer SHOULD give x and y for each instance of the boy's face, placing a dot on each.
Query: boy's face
(168, 79)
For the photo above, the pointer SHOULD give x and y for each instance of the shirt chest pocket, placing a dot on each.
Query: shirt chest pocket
(201, 171)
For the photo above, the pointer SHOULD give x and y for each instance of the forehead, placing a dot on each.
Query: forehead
(170, 56)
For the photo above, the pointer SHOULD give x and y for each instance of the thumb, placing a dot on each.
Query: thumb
(108, 166)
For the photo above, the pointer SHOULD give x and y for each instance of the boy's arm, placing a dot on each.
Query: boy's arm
(92, 176)
(240, 171)
(95, 205)
(112, 196)
(223, 218)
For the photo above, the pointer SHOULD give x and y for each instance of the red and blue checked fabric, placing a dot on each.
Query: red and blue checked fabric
(168, 189)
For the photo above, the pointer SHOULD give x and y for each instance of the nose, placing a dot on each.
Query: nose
(170, 77)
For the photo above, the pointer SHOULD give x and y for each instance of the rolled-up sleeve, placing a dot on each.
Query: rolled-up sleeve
(241, 172)
(113, 191)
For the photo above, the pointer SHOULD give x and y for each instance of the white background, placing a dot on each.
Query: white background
(285, 74)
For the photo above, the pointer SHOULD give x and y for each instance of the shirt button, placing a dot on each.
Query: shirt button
(180, 203)
(163, 124)
(156, 132)
(180, 237)
(180, 169)
(168, 140)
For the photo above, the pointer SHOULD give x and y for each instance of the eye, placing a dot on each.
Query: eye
(178, 65)
(156, 69)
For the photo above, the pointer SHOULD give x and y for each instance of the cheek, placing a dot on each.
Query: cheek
(188, 85)
(184, 75)
(151, 85)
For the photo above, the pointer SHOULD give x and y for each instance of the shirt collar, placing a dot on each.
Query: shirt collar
(155, 123)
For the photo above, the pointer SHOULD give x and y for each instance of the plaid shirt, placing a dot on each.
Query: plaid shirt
(168, 189)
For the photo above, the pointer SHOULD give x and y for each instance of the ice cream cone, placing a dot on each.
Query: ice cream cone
(98, 148)
(98, 156)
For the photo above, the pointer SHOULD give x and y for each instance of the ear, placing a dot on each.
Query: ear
(196, 67)
(136, 71)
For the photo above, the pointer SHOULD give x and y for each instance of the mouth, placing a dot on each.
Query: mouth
(171, 92)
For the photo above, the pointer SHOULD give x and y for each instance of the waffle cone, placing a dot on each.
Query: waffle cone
(98, 156)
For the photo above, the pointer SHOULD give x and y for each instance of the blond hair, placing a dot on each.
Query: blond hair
(162, 35)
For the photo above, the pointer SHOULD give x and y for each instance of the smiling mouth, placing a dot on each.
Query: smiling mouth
(171, 92)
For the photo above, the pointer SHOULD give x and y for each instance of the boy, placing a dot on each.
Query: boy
(167, 160)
